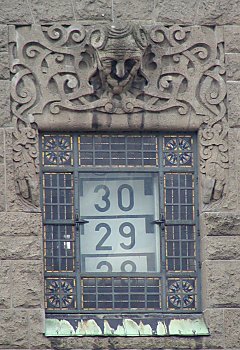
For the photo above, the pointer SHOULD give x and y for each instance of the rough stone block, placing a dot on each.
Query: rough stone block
(215, 322)
(13, 202)
(3, 38)
(13, 11)
(27, 284)
(133, 9)
(5, 119)
(36, 329)
(50, 11)
(2, 188)
(231, 326)
(221, 248)
(218, 12)
(233, 187)
(232, 38)
(181, 12)
(234, 144)
(233, 66)
(93, 9)
(12, 199)
(2, 172)
(221, 283)
(220, 224)
(127, 343)
(2, 146)
(233, 98)
(5, 278)
(13, 329)
(15, 247)
(21, 224)
(4, 66)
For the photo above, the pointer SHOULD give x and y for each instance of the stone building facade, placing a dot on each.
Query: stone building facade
(186, 66)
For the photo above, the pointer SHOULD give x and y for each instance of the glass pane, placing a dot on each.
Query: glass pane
(117, 150)
(120, 235)
(59, 247)
(180, 248)
(179, 196)
(58, 196)
(121, 293)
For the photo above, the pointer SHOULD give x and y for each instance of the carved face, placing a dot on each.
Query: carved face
(118, 69)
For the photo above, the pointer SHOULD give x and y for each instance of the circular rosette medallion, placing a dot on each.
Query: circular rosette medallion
(181, 294)
(57, 150)
(178, 151)
(59, 293)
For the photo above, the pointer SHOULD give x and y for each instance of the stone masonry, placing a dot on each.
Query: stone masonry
(21, 255)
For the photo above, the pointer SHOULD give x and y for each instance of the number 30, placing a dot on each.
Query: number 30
(106, 194)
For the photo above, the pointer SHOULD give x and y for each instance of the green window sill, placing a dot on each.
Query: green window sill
(141, 325)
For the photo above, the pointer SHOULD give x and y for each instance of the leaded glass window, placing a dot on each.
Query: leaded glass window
(120, 218)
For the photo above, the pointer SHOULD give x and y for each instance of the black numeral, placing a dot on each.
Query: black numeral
(126, 263)
(123, 266)
(104, 197)
(100, 245)
(104, 263)
(130, 234)
(120, 197)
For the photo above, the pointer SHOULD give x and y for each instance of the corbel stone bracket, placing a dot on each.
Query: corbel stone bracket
(118, 70)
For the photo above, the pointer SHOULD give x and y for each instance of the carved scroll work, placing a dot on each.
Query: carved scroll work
(119, 70)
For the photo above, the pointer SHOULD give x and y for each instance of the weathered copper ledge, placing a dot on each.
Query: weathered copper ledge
(109, 325)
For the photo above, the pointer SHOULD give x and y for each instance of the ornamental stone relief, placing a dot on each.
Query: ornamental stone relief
(119, 70)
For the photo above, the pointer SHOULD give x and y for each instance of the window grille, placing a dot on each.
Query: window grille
(121, 230)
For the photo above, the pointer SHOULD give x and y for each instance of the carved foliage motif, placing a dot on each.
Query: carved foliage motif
(118, 70)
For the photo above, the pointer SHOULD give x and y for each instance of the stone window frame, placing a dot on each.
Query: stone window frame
(197, 51)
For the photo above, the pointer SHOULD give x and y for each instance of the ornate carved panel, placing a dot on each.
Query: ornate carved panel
(119, 70)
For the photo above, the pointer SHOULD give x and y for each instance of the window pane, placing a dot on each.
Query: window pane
(117, 151)
(116, 210)
(179, 196)
(58, 196)
(121, 293)
(120, 235)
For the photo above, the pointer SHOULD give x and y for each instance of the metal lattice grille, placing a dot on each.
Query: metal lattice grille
(121, 293)
(120, 223)
(117, 151)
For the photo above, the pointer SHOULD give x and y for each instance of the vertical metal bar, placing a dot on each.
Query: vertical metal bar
(41, 201)
(96, 288)
(179, 217)
(59, 220)
(126, 153)
(129, 292)
(197, 236)
(76, 211)
(113, 293)
(162, 228)
(145, 292)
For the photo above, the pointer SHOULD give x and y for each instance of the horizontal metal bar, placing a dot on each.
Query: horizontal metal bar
(59, 222)
(122, 312)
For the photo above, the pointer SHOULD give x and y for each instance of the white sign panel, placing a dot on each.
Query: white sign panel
(120, 235)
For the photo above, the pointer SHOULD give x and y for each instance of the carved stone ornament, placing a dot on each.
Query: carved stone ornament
(119, 70)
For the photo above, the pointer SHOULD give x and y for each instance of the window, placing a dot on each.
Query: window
(120, 223)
